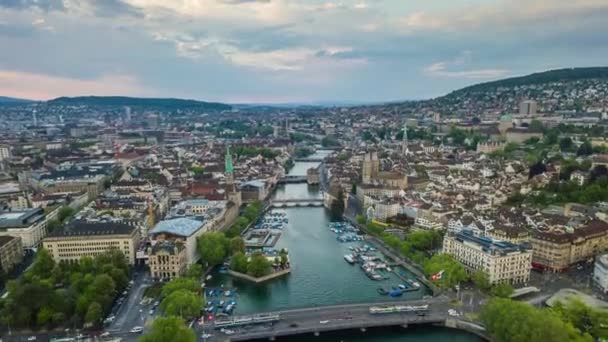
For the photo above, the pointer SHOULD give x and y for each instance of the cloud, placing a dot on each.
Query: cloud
(43, 87)
(454, 69)
(46, 5)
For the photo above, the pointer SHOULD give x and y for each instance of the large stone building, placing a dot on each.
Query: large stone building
(371, 173)
(11, 252)
(184, 230)
(502, 261)
(79, 239)
(168, 260)
(29, 225)
(600, 272)
(556, 250)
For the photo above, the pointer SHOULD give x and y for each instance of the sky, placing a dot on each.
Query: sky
(288, 51)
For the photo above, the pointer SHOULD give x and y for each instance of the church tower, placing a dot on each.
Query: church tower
(229, 170)
(404, 148)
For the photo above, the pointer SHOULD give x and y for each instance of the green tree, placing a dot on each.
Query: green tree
(481, 280)
(585, 149)
(237, 244)
(182, 303)
(94, 314)
(565, 144)
(510, 321)
(536, 126)
(52, 225)
(453, 272)
(213, 248)
(64, 213)
(584, 318)
(337, 207)
(502, 290)
(361, 219)
(168, 329)
(283, 257)
(195, 271)
(177, 284)
(239, 262)
(258, 266)
(43, 264)
(44, 317)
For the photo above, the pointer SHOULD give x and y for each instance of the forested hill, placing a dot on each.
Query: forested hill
(560, 75)
(137, 102)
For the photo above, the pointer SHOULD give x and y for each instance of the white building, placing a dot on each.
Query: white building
(502, 261)
(29, 225)
(184, 230)
(600, 272)
(5, 152)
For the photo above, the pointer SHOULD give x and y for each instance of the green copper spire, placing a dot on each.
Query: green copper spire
(229, 169)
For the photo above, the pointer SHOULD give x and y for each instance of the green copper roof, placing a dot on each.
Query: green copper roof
(229, 168)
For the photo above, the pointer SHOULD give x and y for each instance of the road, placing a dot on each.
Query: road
(337, 317)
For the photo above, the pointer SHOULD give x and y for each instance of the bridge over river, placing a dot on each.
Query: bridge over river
(306, 202)
(317, 320)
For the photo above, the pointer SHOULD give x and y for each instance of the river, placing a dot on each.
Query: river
(320, 275)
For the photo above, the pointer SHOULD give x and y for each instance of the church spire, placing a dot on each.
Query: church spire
(229, 169)
(404, 141)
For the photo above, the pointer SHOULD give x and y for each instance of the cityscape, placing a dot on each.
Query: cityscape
(292, 202)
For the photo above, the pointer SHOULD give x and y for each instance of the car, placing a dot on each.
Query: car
(206, 335)
(105, 334)
(151, 312)
(293, 325)
(324, 322)
(31, 338)
(137, 330)
(421, 313)
(229, 332)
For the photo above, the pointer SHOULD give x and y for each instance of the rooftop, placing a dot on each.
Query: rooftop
(83, 228)
(20, 219)
(179, 226)
(488, 245)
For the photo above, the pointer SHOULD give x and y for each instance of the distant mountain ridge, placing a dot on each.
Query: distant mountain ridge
(13, 100)
(550, 76)
(161, 103)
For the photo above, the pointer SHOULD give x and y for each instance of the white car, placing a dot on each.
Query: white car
(324, 322)
(105, 334)
(137, 330)
(206, 335)
(229, 332)
(31, 338)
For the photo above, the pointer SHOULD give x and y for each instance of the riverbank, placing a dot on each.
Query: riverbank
(260, 280)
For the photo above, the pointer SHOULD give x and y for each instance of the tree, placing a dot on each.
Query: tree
(195, 271)
(177, 284)
(585, 149)
(503, 290)
(213, 248)
(43, 263)
(258, 266)
(94, 314)
(239, 262)
(52, 225)
(565, 144)
(337, 207)
(182, 303)
(283, 258)
(44, 317)
(237, 244)
(64, 213)
(361, 219)
(480, 279)
(453, 271)
(168, 329)
(584, 318)
(507, 320)
(536, 126)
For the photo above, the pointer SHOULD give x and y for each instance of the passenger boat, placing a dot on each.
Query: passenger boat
(382, 291)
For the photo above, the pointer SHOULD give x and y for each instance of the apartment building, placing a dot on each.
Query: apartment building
(11, 252)
(503, 262)
(80, 239)
(557, 249)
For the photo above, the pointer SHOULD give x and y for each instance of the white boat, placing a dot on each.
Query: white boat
(349, 258)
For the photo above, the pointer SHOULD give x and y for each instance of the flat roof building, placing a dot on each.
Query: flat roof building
(502, 261)
(29, 225)
(81, 238)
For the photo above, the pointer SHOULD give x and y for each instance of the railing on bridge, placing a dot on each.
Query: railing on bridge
(244, 320)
